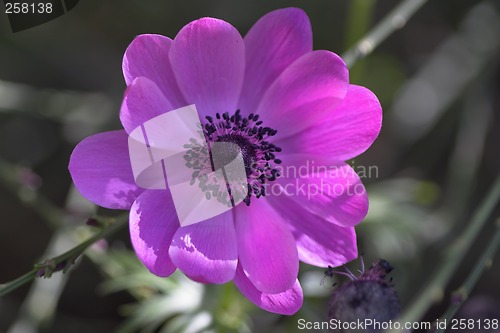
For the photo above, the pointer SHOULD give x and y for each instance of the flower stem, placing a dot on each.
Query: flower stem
(461, 294)
(454, 255)
(395, 20)
(359, 20)
(111, 226)
(20, 281)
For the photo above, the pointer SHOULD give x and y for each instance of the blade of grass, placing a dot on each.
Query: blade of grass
(395, 20)
(434, 289)
(462, 293)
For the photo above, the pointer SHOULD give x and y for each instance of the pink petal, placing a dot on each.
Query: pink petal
(100, 168)
(267, 249)
(208, 59)
(153, 222)
(343, 133)
(147, 56)
(305, 92)
(207, 251)
(272, 44)
(143, 101)
(335, 192)
(319, 242)
(287, 302)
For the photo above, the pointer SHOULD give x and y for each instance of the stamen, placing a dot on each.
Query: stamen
(252, 143)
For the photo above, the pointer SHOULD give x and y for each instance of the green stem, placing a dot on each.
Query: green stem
(462, 293)
(67, 258)
(454, 255)
(20, 281)
(395, 20)
(358, 23)
(358, 20)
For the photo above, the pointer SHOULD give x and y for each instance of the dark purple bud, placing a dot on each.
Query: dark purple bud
(368, 296)
(49, 267)
(93, 222)
(40, 272)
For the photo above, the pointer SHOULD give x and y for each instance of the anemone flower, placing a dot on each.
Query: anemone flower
(296, 119)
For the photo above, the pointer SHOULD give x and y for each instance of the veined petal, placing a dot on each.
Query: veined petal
(267, 249)
(287, 302)
(147, 56)
(305, 92)
(100, 168)
(335, 193)
(153, 222)
(272, 44)
(343, 133)
(143, 101)
(207, 251)
(319, 242)
(208, 59)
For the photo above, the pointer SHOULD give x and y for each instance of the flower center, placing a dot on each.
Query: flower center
(230, 138)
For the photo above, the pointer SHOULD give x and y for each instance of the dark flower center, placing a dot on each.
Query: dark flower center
(230, 138)
(241, 146)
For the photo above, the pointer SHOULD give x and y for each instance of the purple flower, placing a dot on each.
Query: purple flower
(296, 106)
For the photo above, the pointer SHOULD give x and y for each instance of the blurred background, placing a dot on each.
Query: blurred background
(436, 158)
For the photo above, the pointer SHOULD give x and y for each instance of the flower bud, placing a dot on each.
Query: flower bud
(368, 296)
